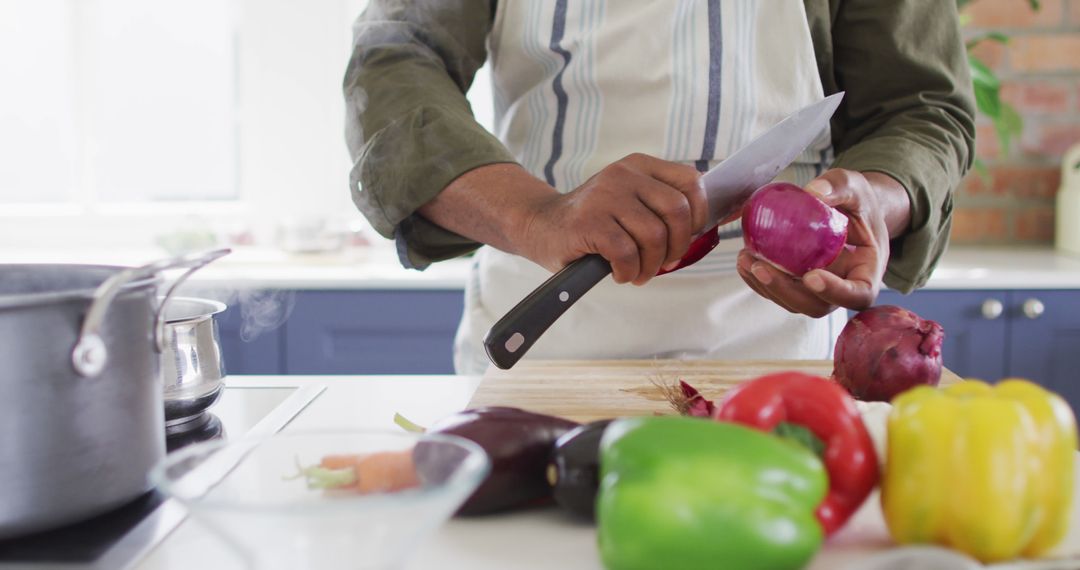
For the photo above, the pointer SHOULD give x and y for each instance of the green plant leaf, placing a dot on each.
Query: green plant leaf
(1008, 125)
(986, 87)
(991, 36)
(1011, 119)
(980, 73)
(988, 102)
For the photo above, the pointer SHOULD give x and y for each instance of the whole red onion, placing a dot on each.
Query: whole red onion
(792, 229)
(885, 350)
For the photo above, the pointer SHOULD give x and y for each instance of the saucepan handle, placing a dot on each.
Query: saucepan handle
(90, 355)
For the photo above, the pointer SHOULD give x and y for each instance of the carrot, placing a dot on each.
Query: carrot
(340, 461)
(381, 472)
(387, 471)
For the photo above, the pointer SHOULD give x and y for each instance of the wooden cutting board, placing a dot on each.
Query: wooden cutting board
(587, 390)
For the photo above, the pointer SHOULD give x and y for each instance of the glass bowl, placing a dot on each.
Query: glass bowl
(372, 501)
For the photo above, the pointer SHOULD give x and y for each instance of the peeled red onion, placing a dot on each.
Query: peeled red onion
(792, 229)
(885, 350)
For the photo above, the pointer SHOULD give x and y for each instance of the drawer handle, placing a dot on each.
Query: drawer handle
(992, 309)
(1033, 308)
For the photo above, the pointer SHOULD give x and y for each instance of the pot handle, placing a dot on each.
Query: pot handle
(89, 355)
(159, 315)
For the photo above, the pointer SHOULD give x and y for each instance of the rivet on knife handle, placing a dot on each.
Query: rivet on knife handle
(514, 334)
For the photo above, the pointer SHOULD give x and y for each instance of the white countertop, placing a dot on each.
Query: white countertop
(1006, 268)
(539, 539)
(378, 268)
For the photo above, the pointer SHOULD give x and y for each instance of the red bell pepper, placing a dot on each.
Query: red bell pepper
(829, 412)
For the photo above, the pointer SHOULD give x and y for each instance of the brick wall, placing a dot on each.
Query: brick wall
(1040, 73)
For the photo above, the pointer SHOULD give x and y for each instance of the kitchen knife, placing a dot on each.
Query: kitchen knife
(727, 186)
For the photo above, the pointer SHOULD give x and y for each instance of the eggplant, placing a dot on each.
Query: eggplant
(518, 443)
(574, 469)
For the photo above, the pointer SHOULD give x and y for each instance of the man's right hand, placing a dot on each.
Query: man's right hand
(640, 213)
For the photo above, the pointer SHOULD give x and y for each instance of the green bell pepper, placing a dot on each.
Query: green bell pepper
(687, 493)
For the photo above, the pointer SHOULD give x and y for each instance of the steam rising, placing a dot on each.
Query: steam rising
(261, 310)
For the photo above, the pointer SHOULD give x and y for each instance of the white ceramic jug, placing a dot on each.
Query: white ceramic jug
(1067, 232)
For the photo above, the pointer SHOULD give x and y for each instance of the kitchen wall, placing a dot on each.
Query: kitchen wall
(1040, 73)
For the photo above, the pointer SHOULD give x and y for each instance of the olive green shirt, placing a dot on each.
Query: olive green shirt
(908, 112)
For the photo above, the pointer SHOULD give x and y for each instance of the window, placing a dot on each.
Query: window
(117, 101)
(123, 120)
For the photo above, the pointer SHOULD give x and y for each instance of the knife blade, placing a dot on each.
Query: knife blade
(727, 186)
(730, 183)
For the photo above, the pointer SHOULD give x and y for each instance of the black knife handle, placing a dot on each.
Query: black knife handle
(514, 334)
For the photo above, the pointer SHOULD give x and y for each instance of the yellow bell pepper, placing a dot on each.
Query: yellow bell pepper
(986, 470)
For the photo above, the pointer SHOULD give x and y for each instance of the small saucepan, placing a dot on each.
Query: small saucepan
(192, 369)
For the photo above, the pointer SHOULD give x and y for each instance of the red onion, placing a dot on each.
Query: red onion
(696, 404)
(792, 229)
(885, 350)
(686, 399)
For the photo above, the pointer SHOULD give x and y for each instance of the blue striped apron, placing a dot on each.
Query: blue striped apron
(579, 85)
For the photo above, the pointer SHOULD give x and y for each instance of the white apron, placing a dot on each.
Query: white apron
(579, 85)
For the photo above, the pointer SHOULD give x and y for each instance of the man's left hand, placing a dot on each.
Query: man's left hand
(877, 208)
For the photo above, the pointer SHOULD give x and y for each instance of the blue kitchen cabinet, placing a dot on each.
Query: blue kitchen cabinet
(1046, 340)
(343, 332)
(372, 332)
(976, 327)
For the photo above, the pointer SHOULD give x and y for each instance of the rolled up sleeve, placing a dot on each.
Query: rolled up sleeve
(908, 112)
(409, 128)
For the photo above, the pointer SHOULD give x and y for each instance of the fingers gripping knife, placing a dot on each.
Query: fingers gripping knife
(727, 186)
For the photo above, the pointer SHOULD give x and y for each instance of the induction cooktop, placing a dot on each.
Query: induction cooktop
(120, 538)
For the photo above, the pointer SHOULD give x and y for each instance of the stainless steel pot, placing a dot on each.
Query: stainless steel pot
(80, 397)
(192, 369)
